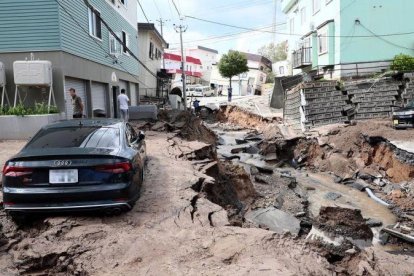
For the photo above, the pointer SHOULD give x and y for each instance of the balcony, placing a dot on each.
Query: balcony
(302, 57)
(287, 5)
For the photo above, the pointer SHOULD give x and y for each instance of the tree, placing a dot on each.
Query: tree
(232, 64)
(274, 52)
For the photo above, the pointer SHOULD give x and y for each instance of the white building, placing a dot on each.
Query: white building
(207, 57)
(151, 46)
(281, 68)
(247, 83)
(192, 71)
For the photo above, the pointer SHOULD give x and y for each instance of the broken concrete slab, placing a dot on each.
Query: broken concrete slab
(241, 141)
(261, 179)
(374, 222)
(238, 149)
(276, 220)
(332, 196)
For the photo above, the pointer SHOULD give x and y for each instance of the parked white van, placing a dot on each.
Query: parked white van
(204, 91)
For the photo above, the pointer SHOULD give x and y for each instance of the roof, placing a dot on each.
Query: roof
(84, 122)
(207, 49)
(178, 58)
(258, 58)
(151, 27)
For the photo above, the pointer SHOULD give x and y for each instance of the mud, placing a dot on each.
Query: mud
(190, 217)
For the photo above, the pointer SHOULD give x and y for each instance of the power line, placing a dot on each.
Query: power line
(142, 9)
(158, 9)
(226, 35)
(288, 34)
(179, 14)
(385, 40)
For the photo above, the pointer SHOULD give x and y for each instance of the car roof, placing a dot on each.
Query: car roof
(86, 122)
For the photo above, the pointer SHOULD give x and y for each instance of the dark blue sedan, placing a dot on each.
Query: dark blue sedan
(77, 165)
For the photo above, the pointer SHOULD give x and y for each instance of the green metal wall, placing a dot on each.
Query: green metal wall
(29, 25)
(41, 25)
(380, 17)
(79, 43)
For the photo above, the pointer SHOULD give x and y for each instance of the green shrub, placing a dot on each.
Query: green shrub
(21, 110)
(403, 63)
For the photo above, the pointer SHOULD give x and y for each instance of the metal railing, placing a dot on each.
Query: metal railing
(302, 57)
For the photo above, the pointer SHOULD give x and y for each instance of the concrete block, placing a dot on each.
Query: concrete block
(142, 112)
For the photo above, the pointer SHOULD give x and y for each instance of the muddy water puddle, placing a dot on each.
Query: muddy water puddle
(318, 185)
(351, 198)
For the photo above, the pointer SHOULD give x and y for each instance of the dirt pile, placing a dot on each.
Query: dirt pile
(237, 116)
(344, 222)
(185, 124)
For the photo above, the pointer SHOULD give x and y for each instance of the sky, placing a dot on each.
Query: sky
(253, 14)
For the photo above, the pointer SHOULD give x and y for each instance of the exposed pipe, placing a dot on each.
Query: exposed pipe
(374, 197)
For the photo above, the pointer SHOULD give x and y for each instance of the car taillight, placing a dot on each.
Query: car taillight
(115, 168)
(13, 171)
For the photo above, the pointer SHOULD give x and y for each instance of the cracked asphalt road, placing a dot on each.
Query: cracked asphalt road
(169, 232)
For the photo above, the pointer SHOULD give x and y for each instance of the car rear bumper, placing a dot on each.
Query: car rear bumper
(68, 198)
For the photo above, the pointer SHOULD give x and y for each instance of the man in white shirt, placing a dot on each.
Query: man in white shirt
(123, 101)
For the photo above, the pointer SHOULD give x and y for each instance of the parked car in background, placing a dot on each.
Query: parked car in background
(77, 165)
(404, 117)
(204, 91)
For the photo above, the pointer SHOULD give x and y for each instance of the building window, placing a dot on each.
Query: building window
(323, 42)
(316, 6)
(292, 25)
(303, 15)
(124, 2)
(125, 43)
(151, 51)
(114, 46)
(281, 70)
(94, 23)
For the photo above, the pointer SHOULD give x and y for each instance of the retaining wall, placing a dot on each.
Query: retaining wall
(24, 127)
(312, 104)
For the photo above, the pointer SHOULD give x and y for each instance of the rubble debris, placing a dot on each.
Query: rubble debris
(344, 222)
(261, 179)
(332, 196)
(374, 222)
(276, 220)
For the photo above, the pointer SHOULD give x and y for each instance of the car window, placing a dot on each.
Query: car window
(76, 137)
(131, 134)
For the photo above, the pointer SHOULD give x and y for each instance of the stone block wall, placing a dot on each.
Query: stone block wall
(317, 103)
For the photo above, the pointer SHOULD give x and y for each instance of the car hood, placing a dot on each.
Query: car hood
(24, 153)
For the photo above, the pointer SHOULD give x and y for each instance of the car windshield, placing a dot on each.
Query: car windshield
(410, 104)
(76, 137)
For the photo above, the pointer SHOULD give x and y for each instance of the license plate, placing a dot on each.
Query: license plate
(63, 176)
(395, 122)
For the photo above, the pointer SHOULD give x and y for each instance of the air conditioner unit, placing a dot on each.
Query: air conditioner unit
(33, 72)
(2, 75)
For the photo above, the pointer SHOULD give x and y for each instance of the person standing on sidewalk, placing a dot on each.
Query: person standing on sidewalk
(123, 101)
(76, 104)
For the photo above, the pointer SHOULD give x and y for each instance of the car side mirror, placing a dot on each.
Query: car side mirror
(141, 136)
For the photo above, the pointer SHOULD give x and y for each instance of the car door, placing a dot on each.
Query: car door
(138, 145)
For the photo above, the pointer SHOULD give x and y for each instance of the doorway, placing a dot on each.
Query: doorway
(115, 92)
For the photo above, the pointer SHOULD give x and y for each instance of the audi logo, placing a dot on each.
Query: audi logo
(61, 163)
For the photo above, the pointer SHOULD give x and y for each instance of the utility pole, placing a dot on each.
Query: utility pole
(274, 22)
(181, 29)
(162, 23)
